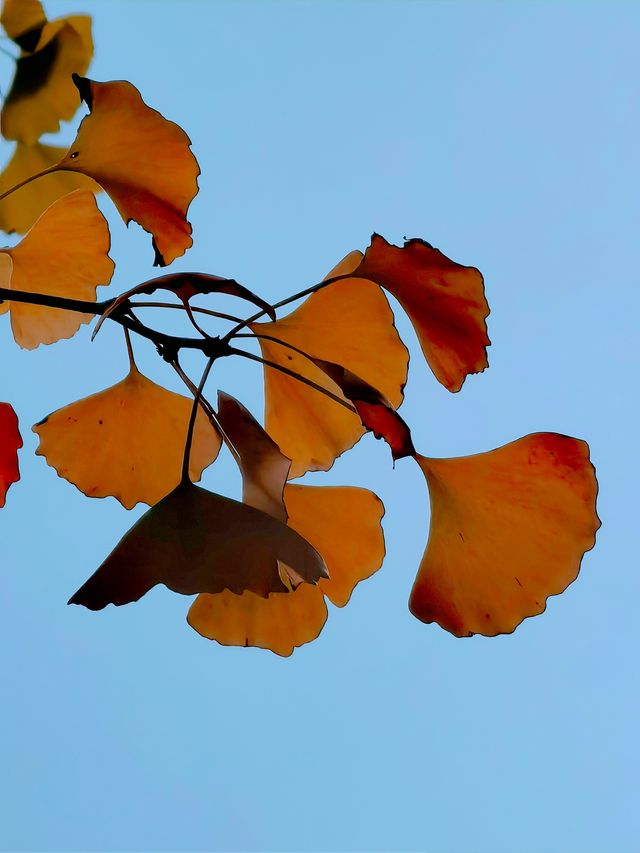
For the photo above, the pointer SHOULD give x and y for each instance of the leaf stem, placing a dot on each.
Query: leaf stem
(192, 420)
(293, 375)
(219, 314)
(28, 180)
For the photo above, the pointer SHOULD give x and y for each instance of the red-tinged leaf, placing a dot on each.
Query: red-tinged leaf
(444, 300)
(10, 443)
(185, 285)
(195, 541)
(375, 411)
(508, 529)
(141, 159)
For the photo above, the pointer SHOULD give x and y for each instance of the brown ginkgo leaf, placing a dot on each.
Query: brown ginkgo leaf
(348, 322)
(185, 285)
(20, 210)
(126, 441)
(444, 300)
(508, 529)
(42, 93)
(195, 541)
(141, 159)
(47, 261)
(10, 443)
(342, 524)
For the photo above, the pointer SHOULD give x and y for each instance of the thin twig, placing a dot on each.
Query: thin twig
(192, 420)
(219, 314)
(293, 375)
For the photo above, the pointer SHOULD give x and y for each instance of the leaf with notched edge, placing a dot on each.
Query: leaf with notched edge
(341, 523)
(508, 529)
(42, 93)
(195, 541)
(349, 322)
(126, 441)
(10, 443)
(20, 210)
(47, 261)
(444, 300)
(141, 159)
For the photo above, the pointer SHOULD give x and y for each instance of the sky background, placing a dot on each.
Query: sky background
(506, 134)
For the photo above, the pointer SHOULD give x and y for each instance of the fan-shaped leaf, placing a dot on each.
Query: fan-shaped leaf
(64, 254)
(126, 441)
(444, 300)
(20, 210)
(195, 541)
(348, 322)
(42, 92)
(10, 443)
(508, 529)
(141, 159)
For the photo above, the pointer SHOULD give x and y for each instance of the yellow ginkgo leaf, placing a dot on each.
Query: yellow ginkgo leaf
(141, 159)
(508, 529)
(42, 93)
(126, 441)
(348, 322)
(64, 254)
(20, 210)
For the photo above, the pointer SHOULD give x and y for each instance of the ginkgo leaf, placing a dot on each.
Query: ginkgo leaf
(342, 524)
(264, 468)
(444, 300)
(508, 529)
(20, 210)
(185, 285)
(47, 261)
(42, 93)
(196, 541)
(375, 411)
(141, 159)
(10, 443)
(23, 21)
(348, 322)
(126, 441)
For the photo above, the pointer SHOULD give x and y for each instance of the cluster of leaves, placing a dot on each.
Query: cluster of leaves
(508, 527)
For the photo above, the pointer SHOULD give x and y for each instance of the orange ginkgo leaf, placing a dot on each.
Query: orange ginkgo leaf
(126, 441)
(10, 443)
(508, 529)
(342, 524)
(64, 254)
(348, 322)
(141, 159)
(444, 300)
(42, 92)
(375, 411)
(195, 541)
(20, 210)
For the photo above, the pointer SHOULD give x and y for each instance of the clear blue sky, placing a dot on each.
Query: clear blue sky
(507, 135)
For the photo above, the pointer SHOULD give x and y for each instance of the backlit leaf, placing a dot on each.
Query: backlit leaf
(141, 159)
(42, 92)
(444, 300)
(10, 443)
(342, 524)
(126, 441)
(23, 20)
(20, 210)
(64, 254)
(375, 411)
(348, 322)
(196, 541)
(185, 285)
(508, 529)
